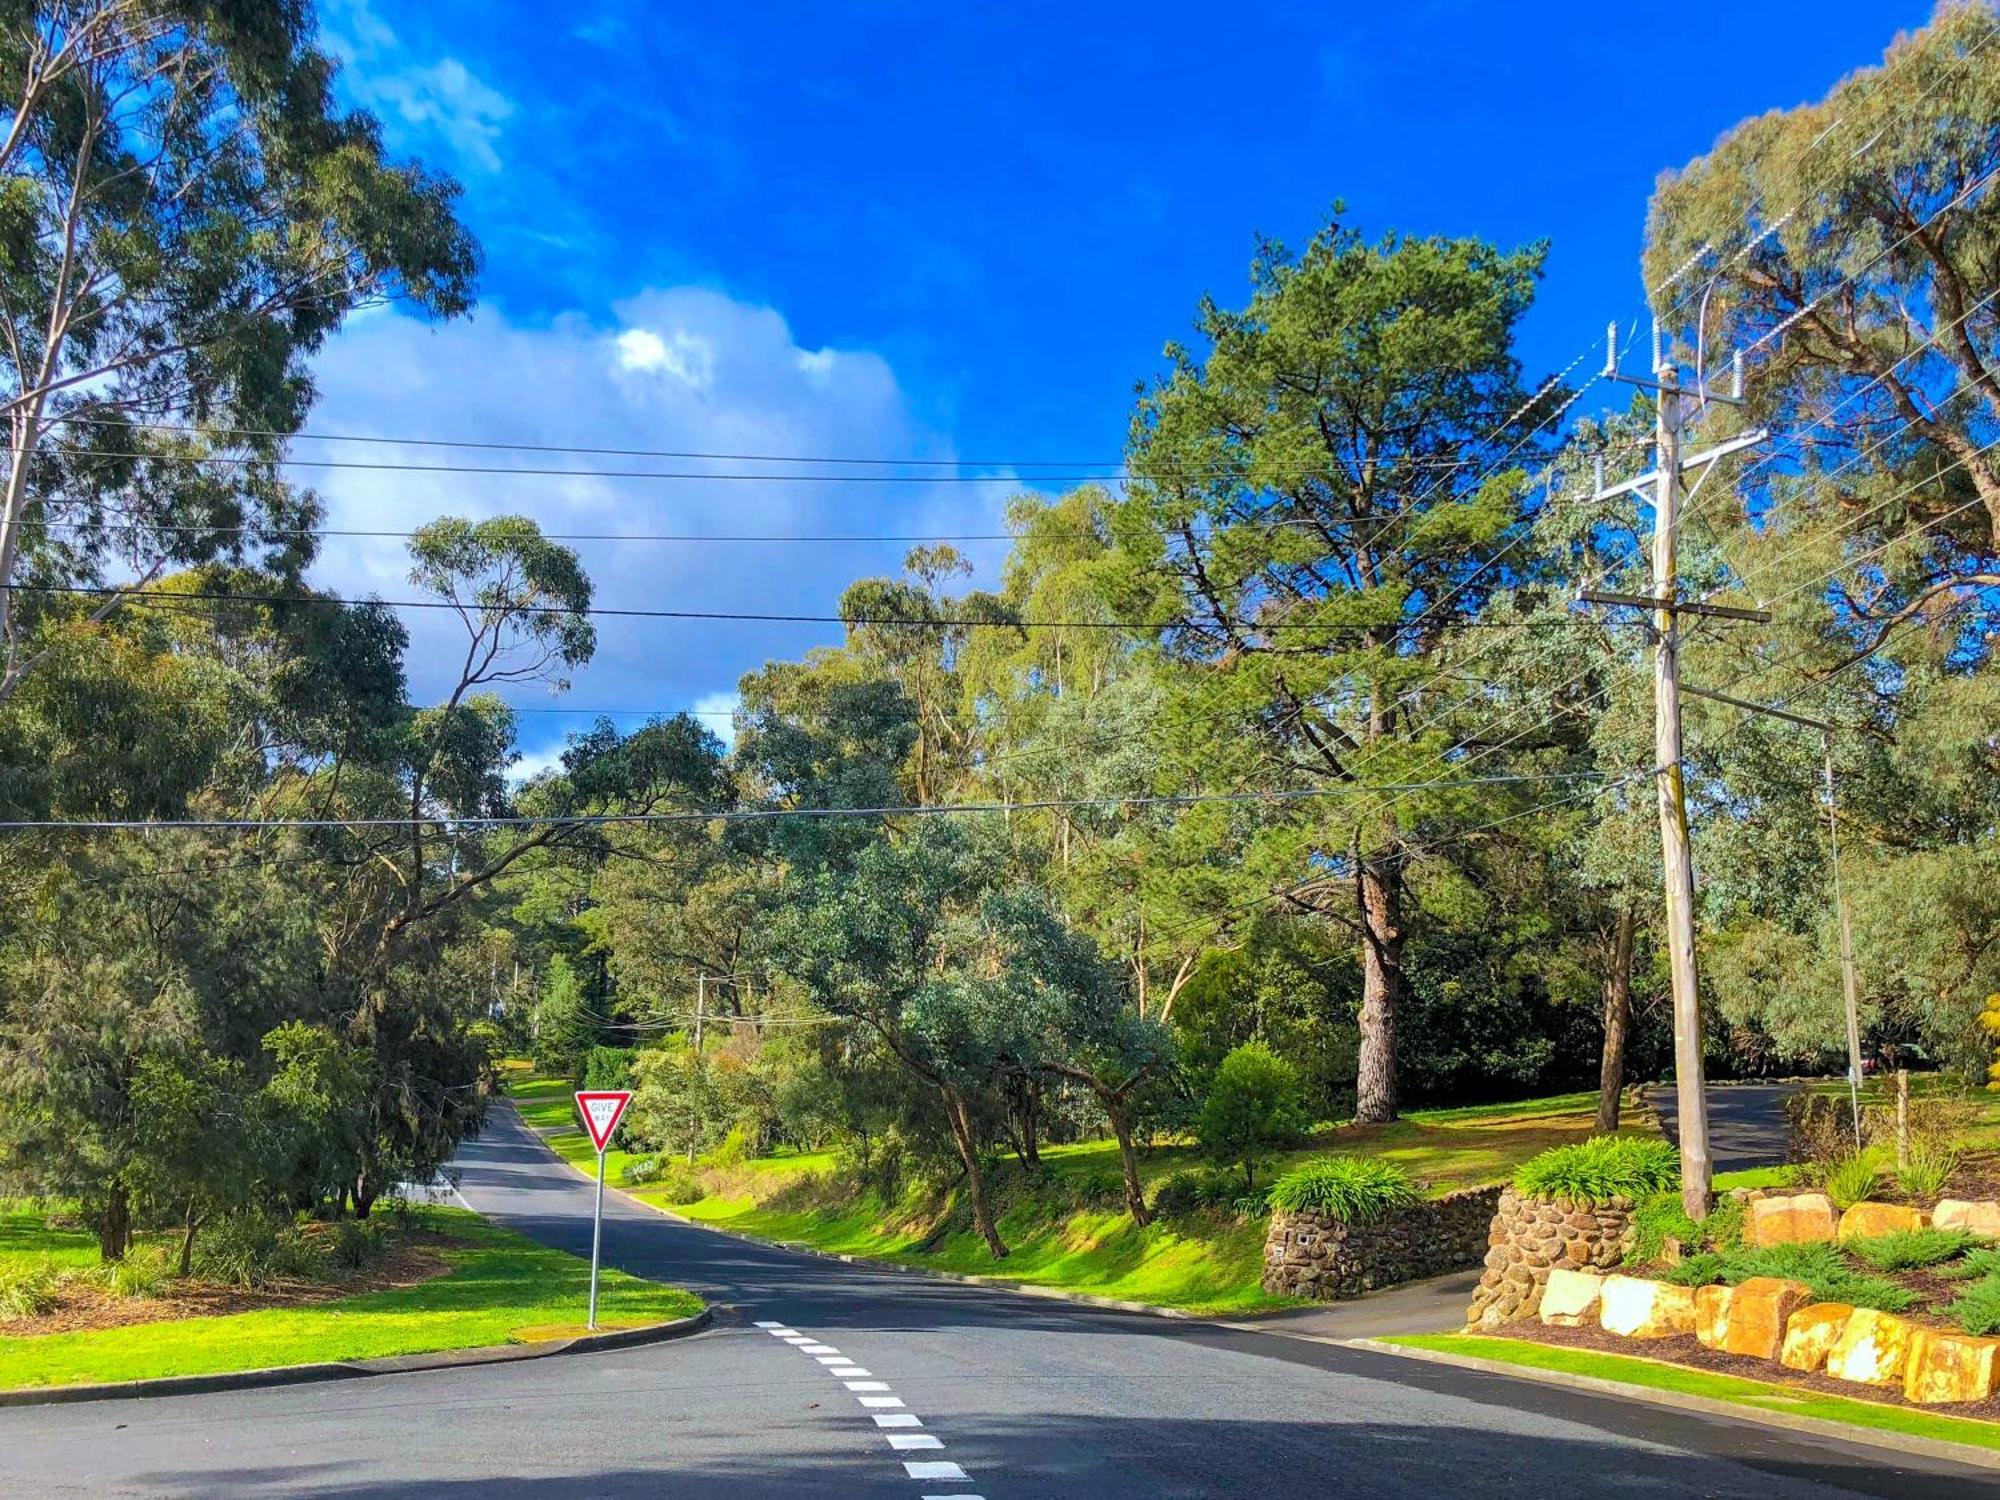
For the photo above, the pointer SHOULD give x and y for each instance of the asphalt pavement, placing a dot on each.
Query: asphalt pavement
(1746, 1122)
(823, 1378)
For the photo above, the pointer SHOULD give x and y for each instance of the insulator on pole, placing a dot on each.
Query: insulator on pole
(1598, 461)
(1611, 349)
(1736, 375)
(1657, 365)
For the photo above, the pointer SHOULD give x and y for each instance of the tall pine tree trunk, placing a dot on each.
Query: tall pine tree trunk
(1381, 882)
(1617, 1021)
(114, 1224)
(960, 1115)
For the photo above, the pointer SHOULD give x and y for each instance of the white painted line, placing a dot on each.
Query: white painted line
(782, 1332)
(935, 1469)
(956, 1495)
(835, 1359)
(817, 1349)
(796, 1339)
(866, 1385)
(910, 1442)
(897, 1419)
(851, 1372)
(761, 1323)
(873, 1402)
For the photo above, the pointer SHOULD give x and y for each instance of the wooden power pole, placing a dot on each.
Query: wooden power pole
(1676, 853)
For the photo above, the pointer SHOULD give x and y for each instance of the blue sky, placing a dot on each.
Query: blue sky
(947, 232)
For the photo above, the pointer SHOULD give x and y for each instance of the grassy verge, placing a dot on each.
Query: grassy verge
(1060, 1227)
(1654, 1375)
(501, 1289)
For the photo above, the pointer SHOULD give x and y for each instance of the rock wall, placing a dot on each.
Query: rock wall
(1529, 1237)
(1310, 1255)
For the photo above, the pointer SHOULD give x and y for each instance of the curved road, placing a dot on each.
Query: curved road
(1028, 1399)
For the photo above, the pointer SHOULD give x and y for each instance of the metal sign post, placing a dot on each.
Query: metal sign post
(602, 1110)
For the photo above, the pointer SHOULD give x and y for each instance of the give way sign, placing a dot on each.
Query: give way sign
(601, 1113)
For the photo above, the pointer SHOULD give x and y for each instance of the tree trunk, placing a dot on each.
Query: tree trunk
(114, 1224)
(1617, 1022)
(189, 1225)
(1128, 1158)
(1029, 1113)
(1381, 894)
(364, 1195)
(975, 1180)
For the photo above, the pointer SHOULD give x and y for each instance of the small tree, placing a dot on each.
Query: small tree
(563, 1032)
(1252, 1109)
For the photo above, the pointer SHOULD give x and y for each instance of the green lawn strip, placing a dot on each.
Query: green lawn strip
(502, 1288)
(25, 1240)
(1659, 1376)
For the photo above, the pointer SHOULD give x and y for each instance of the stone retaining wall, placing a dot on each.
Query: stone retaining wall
(1529, 1237)
(1310, 1255)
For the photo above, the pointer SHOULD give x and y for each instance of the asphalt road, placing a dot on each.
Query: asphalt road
(1029, 1399)
(1746, 1122)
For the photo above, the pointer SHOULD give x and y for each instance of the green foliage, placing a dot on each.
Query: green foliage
(1602, 1168)
(1829, 1274)
(1972, 1265)
(354, 1243)
(677, 1184)
(1252, 1109)
(1353, 1189)
(564, 1033)
(28, 1291)
(1186, 1192)
(1912, 1249)
(608, 1068)
(1853, 1179)
(1659, 1217)
(252, 1250)
(1977, 1308)
(144, 1273)
(1929, 1168)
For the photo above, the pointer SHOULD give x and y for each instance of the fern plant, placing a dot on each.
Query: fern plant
(1352, 1189)
(1602, 1168)
(1912, 1249)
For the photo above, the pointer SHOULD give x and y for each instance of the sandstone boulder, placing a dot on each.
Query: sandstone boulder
(1867, 1221)
(1636, 1308)
(1981, 1217)
(1750, 1318)
(1871, 1349)
(1570, 1298)
(1811, 1333)
(1803, 1218)
(1946, 1367)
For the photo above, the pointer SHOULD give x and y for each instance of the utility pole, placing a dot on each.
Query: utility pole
(1676, 853)
(700, 1009)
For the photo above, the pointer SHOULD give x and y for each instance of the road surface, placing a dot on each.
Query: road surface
(1028, 1399)
(1746, 1122)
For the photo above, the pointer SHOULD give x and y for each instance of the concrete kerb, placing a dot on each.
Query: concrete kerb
(1868, 1437)
(356, 1369)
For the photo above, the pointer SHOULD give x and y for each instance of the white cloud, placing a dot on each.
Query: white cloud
(621, 380)
(717, 711)
(441, 99)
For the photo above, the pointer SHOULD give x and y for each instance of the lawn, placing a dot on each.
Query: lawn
(1730, 1388)
(1204, 1263)
(501, 1289)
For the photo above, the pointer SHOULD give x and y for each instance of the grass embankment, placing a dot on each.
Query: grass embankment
(500, 1289)
(1064, 1229)
(1654, 1375)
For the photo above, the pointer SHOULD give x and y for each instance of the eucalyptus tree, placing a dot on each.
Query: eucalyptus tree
(188, 214)
(1321, 500)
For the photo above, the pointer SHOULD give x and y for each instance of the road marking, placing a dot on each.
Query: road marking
(909, 1442)
(852, 1372)
(897, 1419)
(817, 1349)
(935, 1469)
(795, 1339)
(875, 1401)
(957, 1495)
(866, 1385)
(835, 1359)
(781, 1332)
(763, 1323)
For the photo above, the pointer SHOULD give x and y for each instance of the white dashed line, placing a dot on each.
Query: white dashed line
(886, 1409)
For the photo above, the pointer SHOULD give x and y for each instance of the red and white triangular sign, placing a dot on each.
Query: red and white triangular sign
(602, 1112)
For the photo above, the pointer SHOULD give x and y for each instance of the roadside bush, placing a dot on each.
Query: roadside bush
(678, 1184)
(1352, 1189)
(1819, 1128)
(1977, 1309)
(29, 1291)
(640, 1171)
(1186, 1192)
(249, 1250)
(1853, 1179)
(1251, 1205)
(1829, 1274)
(1929, 1168)
(1602, 1168)
(1101, 1187)
(1659, 1217)
(144, 1273)
(1252, 1109)
(608, 1068)
(1912, 1249)
(734, 1150)
(355, 1243)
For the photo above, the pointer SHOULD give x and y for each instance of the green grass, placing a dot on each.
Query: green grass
(501, 1289)
(1655, 1375)
(1203, 1263)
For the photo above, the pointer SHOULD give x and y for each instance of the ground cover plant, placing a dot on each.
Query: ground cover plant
(1353, 1189)
(1604, 1167)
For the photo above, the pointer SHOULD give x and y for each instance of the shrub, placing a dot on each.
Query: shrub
(250, 1250)
(1252, 1109)
(29, 1291)
(1977, 1309)
(1852, 1179)
(1251, 1205)
(734, 1149)
(1829, 1274)
(1659, 1217)
(678, 1184)
(1100, 1187)
(1186, 1192)
(1929, 1168)
(355, 1242)
(1602, 1168)
(1912, 1249)
(1819, 1128)
(639, 1171)
(1976, 1263)
(1353, 1189)
(608, 1068)
(143, 1273)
